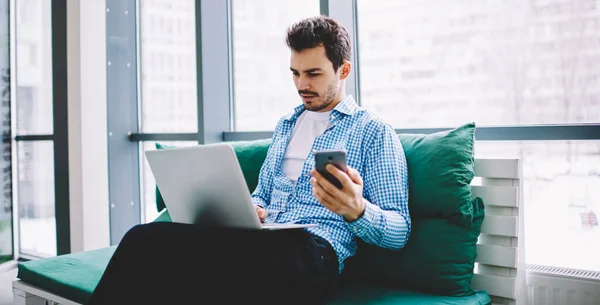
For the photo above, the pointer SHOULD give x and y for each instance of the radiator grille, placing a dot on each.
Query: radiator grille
(564, 272)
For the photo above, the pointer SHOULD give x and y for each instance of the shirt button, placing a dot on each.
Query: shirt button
(355, 230)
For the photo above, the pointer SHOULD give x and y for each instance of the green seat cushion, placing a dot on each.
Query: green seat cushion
(376, 295)
(163, 216)
(75, 276)
(72, 276)
(250, 154)
(440, 169)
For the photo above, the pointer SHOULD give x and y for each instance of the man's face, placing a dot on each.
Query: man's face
(315, 79)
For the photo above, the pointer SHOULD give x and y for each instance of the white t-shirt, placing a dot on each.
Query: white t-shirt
(309, 125)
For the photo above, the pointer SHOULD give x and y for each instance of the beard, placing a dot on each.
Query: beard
(321, 102)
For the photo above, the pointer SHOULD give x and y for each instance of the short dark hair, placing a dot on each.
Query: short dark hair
(321, 30)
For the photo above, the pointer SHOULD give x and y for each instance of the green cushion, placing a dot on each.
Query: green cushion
(439, 258)
(163, 216)
(440, 255)
(440, 169)
(374, 295)
(250, 154)
(73, 276)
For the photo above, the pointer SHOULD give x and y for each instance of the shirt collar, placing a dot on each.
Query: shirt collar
(347, 106)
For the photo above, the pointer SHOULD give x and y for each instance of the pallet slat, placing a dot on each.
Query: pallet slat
(495, 285)
(500, 225)
(497, 168)
(497, 256)
(497, 196)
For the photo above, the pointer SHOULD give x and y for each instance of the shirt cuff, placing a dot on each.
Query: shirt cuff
(365, 223)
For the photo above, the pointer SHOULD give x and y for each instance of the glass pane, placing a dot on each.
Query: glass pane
(561, 191)
(35, 185)
(148, 184)
(168, 66)
(264, 90)
(34, 67)
(6, 236)
(443, 63)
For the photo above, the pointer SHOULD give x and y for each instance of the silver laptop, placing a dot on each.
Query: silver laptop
(204, 185)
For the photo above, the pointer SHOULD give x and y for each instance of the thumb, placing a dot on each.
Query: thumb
(262, 213)
(355, 176)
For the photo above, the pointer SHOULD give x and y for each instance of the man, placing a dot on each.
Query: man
(173, 263)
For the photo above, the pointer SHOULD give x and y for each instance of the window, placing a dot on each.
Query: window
(561, 191)
(444, 63)
(34, 115)
(35, 184)
(160, 53)
(264, 90)
(34, 77)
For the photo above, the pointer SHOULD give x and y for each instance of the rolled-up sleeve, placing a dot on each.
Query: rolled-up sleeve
(386, 220)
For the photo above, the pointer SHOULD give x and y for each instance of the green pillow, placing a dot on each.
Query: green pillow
(440, 254)
(250, 154)
(438, 259)
(440, 169)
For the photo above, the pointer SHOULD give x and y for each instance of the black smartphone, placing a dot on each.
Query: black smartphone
(335, 157)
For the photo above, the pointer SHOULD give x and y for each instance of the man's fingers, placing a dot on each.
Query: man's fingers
(339, 174)
(324, 184)
(323, 193)
(262, 213)
(315, 173)
(323, 201)
(355, 176)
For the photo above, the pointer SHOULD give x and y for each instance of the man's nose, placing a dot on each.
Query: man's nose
(303, 83)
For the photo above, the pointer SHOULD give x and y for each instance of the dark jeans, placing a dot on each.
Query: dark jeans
(173, 263)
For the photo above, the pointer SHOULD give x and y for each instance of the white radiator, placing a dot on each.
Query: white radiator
(560, 286)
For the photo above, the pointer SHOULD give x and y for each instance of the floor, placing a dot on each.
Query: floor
(8, 273)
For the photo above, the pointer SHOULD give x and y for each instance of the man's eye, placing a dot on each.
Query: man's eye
(312, 74)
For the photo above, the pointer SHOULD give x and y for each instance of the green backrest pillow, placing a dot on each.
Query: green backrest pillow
(440, 169)
(439, 258)
(440, 254)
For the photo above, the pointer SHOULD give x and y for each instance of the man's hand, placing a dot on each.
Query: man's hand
(262, 213)
(348, 201)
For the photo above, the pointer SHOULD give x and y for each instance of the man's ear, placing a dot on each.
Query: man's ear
(345, 69)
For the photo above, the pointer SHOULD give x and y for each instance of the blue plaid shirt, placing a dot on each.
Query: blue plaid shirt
(373, 148)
